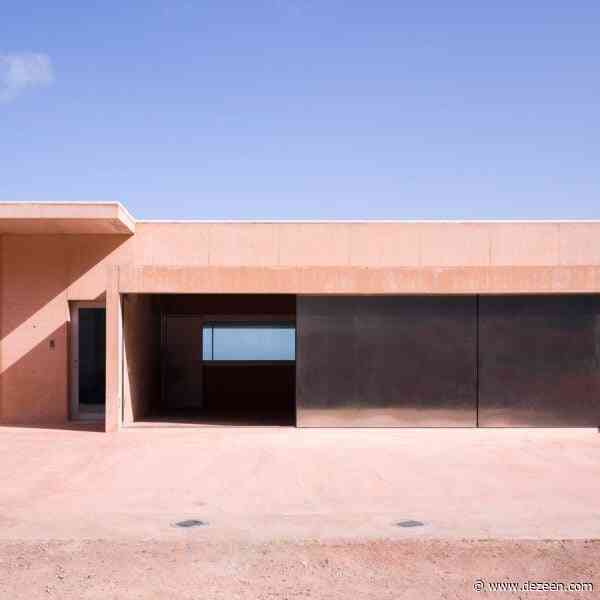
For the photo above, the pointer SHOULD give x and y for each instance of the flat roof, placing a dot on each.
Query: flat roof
(368, 221)
(112, 217)
(65, 218)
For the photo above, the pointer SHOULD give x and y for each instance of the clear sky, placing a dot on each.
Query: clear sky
(304, 108)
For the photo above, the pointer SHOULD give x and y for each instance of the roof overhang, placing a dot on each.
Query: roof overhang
(65, 218)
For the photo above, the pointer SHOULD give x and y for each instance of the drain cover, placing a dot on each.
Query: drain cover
(190, 523)
(410, 523)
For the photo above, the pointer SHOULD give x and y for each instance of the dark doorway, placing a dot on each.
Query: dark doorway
(89, 360)
(92, 356)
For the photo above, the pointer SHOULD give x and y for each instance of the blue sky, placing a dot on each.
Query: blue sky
(304, 109)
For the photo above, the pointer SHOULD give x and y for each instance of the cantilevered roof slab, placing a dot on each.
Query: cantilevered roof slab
(65, 218)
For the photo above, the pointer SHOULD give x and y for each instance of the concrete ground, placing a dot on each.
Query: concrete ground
(290, 512)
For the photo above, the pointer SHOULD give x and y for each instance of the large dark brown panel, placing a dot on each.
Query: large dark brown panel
(386, 361)
(539, 361)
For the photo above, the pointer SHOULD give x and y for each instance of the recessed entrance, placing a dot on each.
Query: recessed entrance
(88, 360)
(210, 359)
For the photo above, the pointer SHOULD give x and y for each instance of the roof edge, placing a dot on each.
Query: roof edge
(30, 217)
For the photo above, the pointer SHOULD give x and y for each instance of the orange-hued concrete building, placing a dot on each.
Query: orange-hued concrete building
(393, 323)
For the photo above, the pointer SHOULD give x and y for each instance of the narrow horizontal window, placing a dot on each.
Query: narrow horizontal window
(248, 342)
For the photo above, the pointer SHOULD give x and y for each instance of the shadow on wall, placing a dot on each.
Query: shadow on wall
(142, 355)
(48, 404)
(37, 269)
(39, 274)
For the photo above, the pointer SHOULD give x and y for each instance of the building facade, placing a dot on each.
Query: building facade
(314, 324)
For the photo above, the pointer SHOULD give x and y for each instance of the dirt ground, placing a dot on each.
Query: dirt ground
(191, 570)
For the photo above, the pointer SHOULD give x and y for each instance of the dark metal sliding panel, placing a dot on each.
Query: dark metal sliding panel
(539, 361)
(386, 361)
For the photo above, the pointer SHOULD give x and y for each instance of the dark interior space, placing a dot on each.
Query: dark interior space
(224, 359)
(250, 393)
(92, 356)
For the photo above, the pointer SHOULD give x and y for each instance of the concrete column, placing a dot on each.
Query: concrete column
(114, 344)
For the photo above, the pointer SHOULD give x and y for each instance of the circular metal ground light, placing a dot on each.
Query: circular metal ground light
(190, 523)
(410, 523)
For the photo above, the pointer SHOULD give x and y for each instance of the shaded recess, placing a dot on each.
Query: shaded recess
(168, 378)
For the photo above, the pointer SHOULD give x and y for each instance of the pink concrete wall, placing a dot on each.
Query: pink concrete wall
(373, 245)
(354, 258)
(40, 274)
(141, 355)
